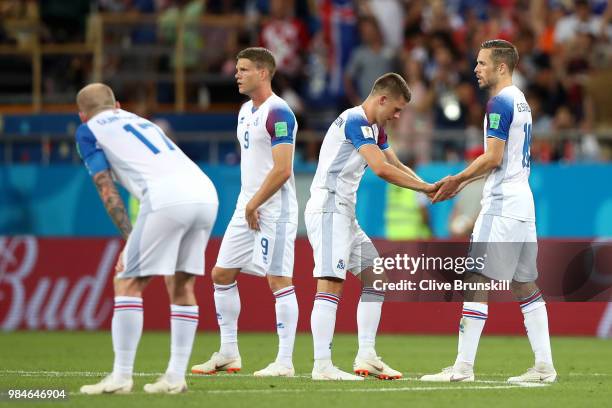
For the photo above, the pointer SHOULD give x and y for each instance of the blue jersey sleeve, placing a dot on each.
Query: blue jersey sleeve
(500, 112)
(358, 131)
(91, 154)
(280, 125)
(382, 139)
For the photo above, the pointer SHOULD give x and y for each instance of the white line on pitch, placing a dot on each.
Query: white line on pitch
(394, 389)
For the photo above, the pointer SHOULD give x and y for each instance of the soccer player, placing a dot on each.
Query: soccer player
(178, 207)
(355, 140)
(260, 237)
(505, 229)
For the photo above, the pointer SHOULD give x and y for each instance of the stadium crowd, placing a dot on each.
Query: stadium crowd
(329, 52)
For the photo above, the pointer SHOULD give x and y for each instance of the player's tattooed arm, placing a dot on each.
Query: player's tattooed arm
(112, 202)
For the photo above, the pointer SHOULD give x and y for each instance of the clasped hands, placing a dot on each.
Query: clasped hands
(444, 189)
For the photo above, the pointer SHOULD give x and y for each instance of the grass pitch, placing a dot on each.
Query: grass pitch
(67, 360)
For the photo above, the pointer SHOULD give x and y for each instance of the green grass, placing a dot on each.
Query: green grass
(30, 360)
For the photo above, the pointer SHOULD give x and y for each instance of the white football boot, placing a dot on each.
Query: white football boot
(275, 369)
(109, 385)
(374, 366)
(541, 373)
(463, 373)
(218, 362)
(325, 370)
(164, 386)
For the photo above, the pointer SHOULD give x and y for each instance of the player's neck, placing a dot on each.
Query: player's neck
(368, 109)
(260, 95)
(500, 85)
(95, 112)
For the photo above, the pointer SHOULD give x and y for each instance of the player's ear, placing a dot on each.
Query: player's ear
(382, 100)
(117, 105)
(83, 117)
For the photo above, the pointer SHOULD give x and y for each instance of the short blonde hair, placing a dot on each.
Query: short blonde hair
(94, 97)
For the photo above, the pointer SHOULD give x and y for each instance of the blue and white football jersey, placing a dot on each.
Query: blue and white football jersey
(143, 160)
(259, 130)
(506, 191)
(341, 167)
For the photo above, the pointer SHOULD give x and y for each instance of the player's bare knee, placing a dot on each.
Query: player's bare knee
(475, 295)
(522, 290)
(330, 285)
(180, 288)
(130, 287)
(279, 282)
(369, 278)
(224, 276)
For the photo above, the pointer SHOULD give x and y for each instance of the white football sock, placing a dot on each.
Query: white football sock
(473, 319)
(604, 331)
(322, 324)
(227, 303)
(183, 326)
(126, 329)
(536, 324)
(286, 323)
(368, 317)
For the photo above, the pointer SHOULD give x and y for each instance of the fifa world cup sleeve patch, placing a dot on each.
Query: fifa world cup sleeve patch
(281, 125)
(500, 113)
(494, 119)
(281, 129)
(367, 131)
(358, 131)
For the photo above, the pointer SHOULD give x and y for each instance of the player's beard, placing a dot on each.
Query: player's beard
(484, 85)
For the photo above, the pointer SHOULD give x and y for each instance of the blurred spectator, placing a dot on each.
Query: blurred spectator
(368, 61)
(329, 53)
(542, 122)
(466, 206)
(289, 95)
(190, 11)
(406, 213)
(390, 17)
(412, 133)
(286, 37)
(581, 20)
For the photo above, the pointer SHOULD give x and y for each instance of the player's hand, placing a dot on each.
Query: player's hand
(119, 266)
(448, 189)
(252, 217)
(432, 189)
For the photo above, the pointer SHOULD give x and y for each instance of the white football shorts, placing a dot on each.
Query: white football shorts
(338, 244)
(509, 247)
(168, 240)
(269, 251)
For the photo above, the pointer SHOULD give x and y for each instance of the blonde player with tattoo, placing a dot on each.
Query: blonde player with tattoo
(178, 207)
